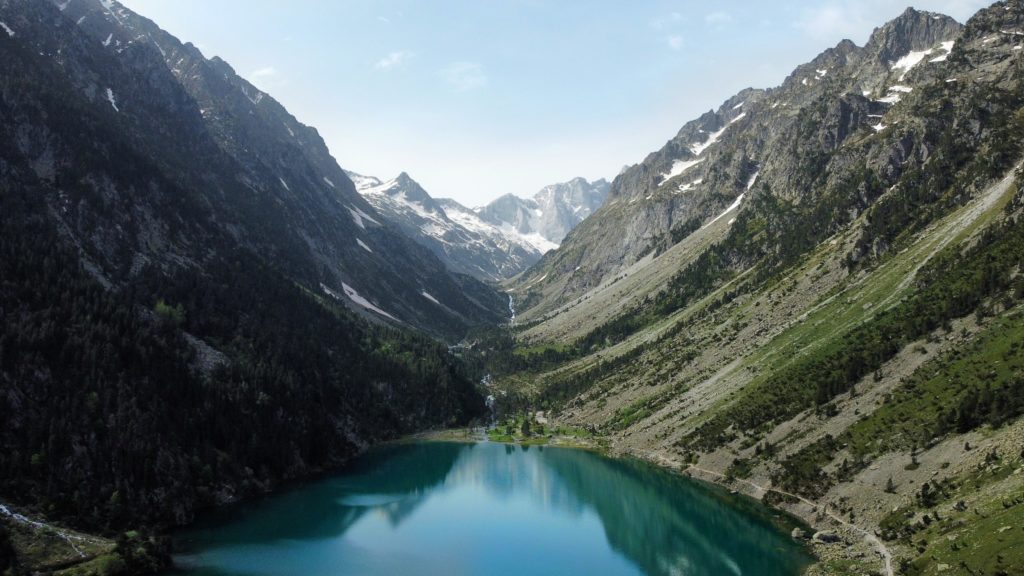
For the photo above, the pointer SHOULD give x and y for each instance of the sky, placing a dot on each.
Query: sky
(480, 98)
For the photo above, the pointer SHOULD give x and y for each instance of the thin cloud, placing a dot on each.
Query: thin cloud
(464, 76)
(833, 21)
(266, 78)
(718, 18)
(263, 73)
(393, 60)
(675, 42)
(663, 22)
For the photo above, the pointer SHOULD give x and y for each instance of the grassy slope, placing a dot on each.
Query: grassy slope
(642, 409)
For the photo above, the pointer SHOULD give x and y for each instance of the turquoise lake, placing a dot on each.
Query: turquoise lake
(451, 509)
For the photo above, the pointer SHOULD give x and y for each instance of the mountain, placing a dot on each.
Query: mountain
(494, 242)
(269, 180)
(545, 219)
(452, 232)
(197, 303)
(814, 290)
(757, 139)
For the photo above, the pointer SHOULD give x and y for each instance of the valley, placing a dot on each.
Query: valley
(789, 341)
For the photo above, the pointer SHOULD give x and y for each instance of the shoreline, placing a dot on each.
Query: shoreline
(820, 551)
(814, 515)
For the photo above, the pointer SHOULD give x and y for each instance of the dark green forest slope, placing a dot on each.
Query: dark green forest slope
(174, 332)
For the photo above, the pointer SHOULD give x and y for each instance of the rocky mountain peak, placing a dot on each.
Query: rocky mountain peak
(403, 184)
(911, 31)
(455, 234)
(187, 123)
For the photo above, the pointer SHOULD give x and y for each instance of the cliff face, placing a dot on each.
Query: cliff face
(776, 139)
(551, 213)
(247, 168)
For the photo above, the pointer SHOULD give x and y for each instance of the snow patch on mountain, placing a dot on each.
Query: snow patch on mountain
(534, 240)
(906, 63)
(358, 216)
(678, 167)
(112, 100)
(947, 48)
(736, 204)
(362, 182)
(689, 185)
(354, 296)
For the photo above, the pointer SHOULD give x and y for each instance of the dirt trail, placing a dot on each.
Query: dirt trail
(876, 543)
(880, 546)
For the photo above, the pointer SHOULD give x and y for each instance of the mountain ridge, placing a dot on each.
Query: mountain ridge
(808, 291)
(479, 241)
(184, 288)
(670, 188)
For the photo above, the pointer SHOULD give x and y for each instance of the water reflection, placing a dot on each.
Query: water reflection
(447, 508)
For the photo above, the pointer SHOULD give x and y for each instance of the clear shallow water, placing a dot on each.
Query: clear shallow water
(452, 509)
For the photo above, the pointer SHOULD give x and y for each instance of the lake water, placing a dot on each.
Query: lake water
(451, 509)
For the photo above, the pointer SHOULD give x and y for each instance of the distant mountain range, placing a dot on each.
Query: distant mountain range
(494, 242)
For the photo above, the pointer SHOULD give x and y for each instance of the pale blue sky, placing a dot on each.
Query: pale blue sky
(480, 98)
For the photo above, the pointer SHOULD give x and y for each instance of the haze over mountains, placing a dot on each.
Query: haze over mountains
(493, 242)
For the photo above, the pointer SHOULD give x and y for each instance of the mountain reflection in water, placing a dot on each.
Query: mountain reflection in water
(468, 509)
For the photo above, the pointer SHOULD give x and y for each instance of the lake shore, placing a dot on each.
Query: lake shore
(622, 508)
(839, 541)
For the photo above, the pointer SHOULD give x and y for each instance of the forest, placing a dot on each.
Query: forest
(138, 406)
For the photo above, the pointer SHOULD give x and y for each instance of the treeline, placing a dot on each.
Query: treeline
(115, 417)
(772, 234)
(950, 286)
(956, 162)
(909, 420)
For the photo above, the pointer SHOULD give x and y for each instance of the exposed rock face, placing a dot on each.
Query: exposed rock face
(551, 213)
(495, 242)
(454, 233)
(251, 170)
(757, 140)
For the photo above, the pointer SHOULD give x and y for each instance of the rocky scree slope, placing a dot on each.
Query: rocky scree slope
(773, 142)
(845, 326)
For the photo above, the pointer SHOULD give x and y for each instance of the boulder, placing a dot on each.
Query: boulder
(825, 537)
